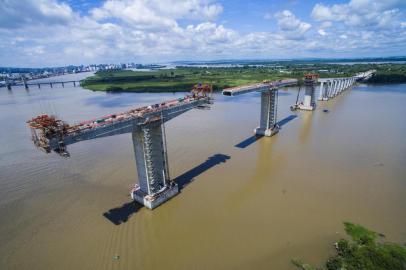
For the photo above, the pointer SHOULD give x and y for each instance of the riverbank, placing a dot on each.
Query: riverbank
(364, 251)
(182, 79)
(175, 80)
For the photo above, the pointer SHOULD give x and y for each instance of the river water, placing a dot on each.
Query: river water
(246, 203)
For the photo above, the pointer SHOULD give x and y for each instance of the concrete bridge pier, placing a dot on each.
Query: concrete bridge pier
(309, 102)
(74, 83)
(340, 89)
(329, 86)
(336, 82)
(267, 124)
(50, 84)
(330, 89)
(63, 84)
(39, 86)
(343, 84)
(331, 92)
(321, 91)
(8, 84)
(155, 186)
(25, 83)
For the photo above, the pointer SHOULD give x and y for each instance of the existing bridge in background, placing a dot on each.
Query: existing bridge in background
(27, 84)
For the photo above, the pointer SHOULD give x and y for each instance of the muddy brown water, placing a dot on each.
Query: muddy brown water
(246, 203)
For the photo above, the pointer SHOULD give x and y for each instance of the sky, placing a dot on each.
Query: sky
(39, 33)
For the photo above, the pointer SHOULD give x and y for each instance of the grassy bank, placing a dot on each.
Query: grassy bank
(183, 78)
(363, 251)
(174, 80)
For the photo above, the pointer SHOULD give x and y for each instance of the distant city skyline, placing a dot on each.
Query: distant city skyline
(42, 33)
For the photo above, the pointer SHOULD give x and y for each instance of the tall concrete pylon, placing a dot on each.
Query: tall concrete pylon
(152, 165)
(8, 84)
(340, 84)
(321, 91)
(309, 101)
(25, 83)
(267, 124)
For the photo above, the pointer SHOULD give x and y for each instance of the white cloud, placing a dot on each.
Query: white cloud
(326, 24)
(48, 32)
(156, 14)
(14, 14)
(364, 27)
(287, 21)
(359, 13)
(290, 25)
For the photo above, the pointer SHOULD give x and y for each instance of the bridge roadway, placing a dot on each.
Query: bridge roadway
(26, 84)
(329, 88)
(148, 132)
(267, 123)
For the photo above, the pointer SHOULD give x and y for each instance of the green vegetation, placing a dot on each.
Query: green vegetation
(173, 80)
(183, 78)
(363, 252)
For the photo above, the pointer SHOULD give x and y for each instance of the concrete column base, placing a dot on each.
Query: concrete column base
(266, 132)
(157, 199)
(306, 108)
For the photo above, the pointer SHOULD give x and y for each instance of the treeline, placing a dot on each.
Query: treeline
(388, 78)
(101, 79)
(364, 251)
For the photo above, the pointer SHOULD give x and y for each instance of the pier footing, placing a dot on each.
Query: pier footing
(305, 108)
(153, 201)
(268, 132)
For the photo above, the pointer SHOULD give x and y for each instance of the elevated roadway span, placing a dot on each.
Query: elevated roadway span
(269, 99)
(258, 87)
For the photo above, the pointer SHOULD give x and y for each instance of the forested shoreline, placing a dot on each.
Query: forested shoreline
(182, 78)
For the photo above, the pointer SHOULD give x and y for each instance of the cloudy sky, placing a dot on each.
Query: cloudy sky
(36, 33)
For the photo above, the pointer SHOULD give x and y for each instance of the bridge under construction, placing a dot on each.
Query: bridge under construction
(149, 140)
(147, 126)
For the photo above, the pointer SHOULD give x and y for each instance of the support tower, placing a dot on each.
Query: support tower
(154, 185)
(267, 124)
(309, 102)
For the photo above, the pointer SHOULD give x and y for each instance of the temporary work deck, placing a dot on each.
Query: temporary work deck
(48, 137)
